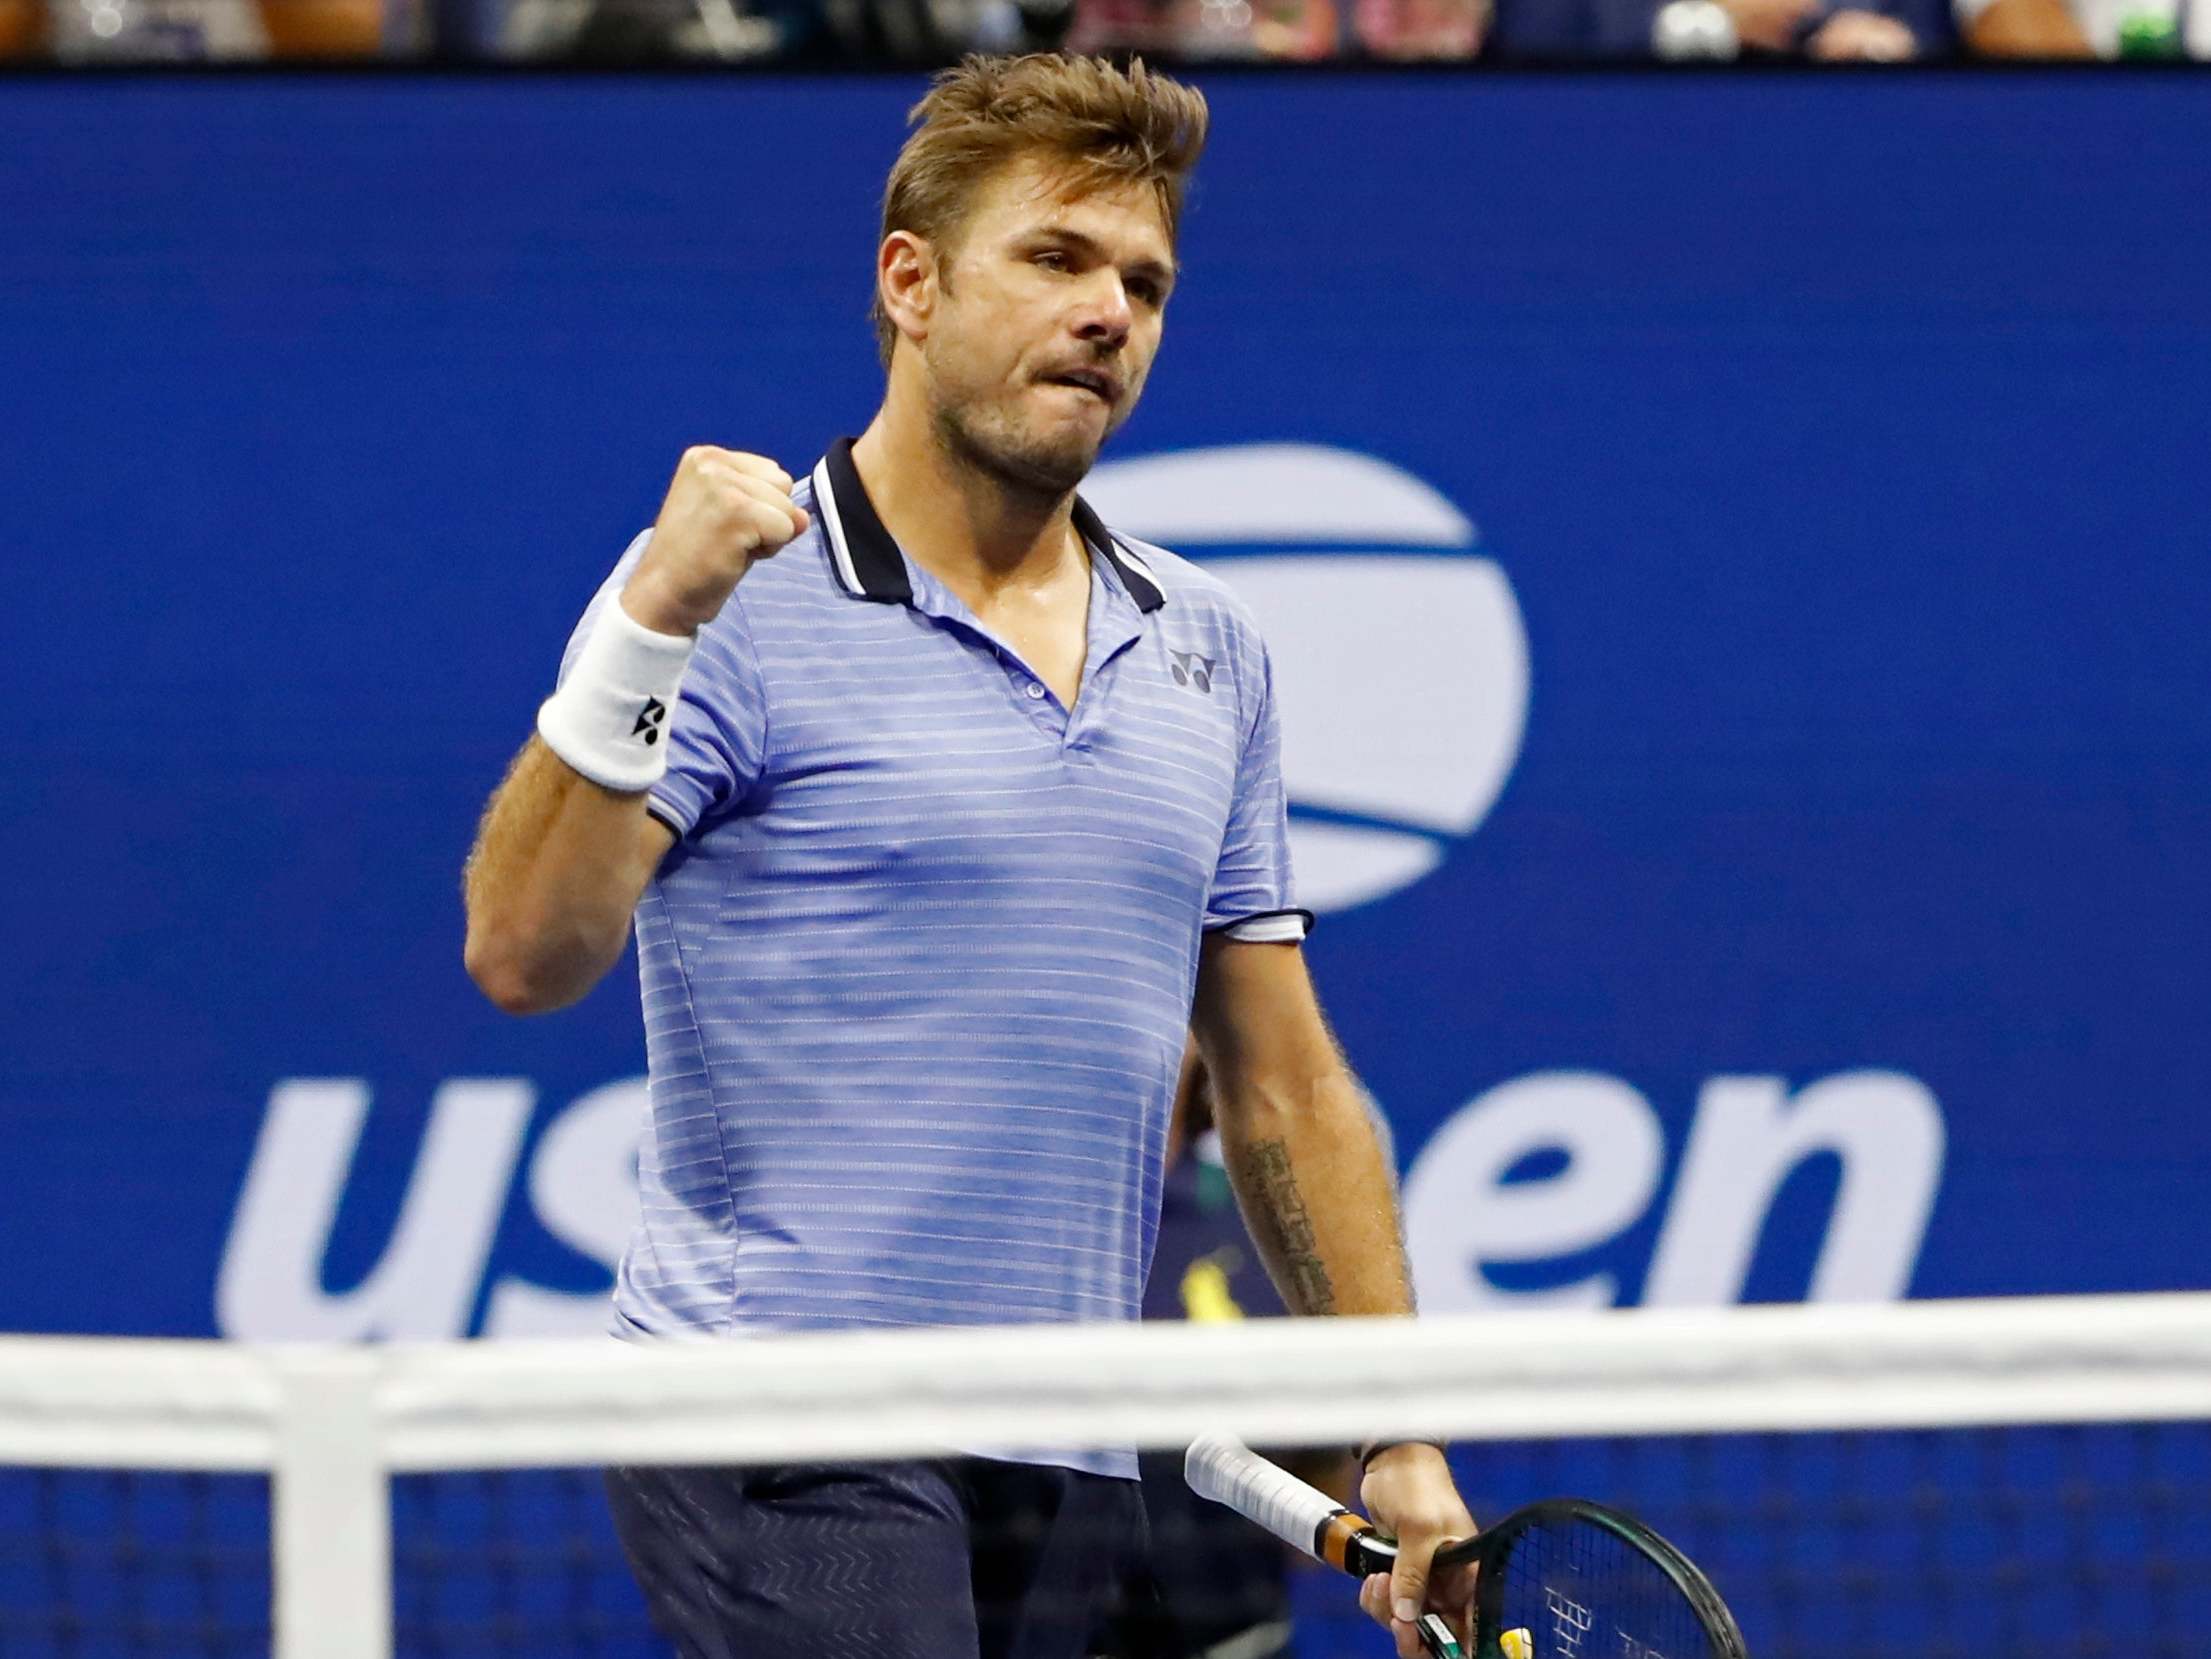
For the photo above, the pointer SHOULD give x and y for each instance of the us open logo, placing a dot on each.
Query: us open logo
(1402, 670)
(1400, 661)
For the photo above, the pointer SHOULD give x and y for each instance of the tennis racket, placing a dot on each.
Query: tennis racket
(1563, 1579)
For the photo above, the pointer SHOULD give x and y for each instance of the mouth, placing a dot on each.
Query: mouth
(1100, 384)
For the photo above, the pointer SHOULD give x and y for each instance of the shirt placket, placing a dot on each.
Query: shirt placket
(1031, 696)
(1115, 625)
(1034, 696)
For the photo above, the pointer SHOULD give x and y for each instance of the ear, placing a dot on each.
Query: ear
(908, 279)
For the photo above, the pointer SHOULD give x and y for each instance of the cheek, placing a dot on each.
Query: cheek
(959, 352)
(984, 339)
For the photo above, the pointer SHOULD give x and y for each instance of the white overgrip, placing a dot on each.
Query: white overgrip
(1229, 1472)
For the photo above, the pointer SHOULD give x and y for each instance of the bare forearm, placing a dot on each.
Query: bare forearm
(556, 872)
(1316, 1194)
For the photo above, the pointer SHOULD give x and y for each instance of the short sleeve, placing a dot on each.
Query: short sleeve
(1251, 896)
(718, 738)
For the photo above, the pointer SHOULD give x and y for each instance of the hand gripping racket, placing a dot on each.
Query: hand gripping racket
(1563, 1579)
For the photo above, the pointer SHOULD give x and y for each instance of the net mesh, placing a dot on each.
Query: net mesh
(493, 1564)
(2066, 1539)
(133, 1564)
(2075, 1540)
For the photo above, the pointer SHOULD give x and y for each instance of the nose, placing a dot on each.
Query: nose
(1104, 317)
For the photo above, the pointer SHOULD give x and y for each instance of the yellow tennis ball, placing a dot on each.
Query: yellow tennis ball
(1516, 1644)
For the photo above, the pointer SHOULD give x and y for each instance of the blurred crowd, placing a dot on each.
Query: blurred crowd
(138, 31)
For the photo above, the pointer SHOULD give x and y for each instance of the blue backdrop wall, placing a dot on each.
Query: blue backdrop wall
(1757, 783)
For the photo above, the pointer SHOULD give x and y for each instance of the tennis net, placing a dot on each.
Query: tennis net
(1947, 1480)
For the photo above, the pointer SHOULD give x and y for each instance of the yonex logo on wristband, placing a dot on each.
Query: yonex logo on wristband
(620, 687)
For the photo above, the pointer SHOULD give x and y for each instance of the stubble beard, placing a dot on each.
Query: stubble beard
(1026, 465)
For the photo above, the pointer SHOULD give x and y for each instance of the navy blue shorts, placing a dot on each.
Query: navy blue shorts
(941, 1559)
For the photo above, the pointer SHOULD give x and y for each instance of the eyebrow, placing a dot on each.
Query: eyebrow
(1093, 248)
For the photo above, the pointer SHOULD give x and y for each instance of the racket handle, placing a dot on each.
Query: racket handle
(1229, 1472)
(1436, 1637)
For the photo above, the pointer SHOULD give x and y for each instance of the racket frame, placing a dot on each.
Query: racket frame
(1492, 1548)
(1354, 1545)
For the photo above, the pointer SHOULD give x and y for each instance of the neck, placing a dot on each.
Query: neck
(976, 532)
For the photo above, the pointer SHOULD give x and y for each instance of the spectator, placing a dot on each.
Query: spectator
(1207, 29)
(187, 31)
(138, 31)
(644, 29)
(22, 28)
(1409, 30)
(2086, 28)
(1867, 31)
(1282, 30)
(324, 28)
(617, 31)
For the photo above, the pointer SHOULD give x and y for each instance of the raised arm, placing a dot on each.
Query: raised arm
(553, 880)
(1321, 1203)
(566, 846)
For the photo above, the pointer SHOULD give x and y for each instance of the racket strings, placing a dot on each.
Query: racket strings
(1583, 1592)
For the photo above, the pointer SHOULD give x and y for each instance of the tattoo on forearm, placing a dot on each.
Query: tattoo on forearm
(1287, 1228)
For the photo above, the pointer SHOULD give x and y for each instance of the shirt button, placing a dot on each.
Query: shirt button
(1036, 692)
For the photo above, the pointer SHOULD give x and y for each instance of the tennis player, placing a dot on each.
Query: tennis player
(942, 812)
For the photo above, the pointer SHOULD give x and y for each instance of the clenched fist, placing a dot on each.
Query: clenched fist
(724, 510)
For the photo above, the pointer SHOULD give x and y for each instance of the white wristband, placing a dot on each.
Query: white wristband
(609, 719)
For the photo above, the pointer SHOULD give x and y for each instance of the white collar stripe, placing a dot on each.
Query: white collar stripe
(1130, 563)
(825, 501)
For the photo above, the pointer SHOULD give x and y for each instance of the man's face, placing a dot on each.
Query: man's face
(1048, 315)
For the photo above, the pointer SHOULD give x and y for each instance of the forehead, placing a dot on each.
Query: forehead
(1033, 193)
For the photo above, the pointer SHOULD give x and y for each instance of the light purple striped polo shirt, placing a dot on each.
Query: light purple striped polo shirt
(918, 970)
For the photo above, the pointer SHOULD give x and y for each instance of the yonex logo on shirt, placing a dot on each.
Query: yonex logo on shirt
(1189, 668)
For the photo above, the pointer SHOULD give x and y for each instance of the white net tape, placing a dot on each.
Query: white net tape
(333, 1426)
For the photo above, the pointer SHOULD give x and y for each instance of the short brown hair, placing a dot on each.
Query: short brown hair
(1108, 125)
